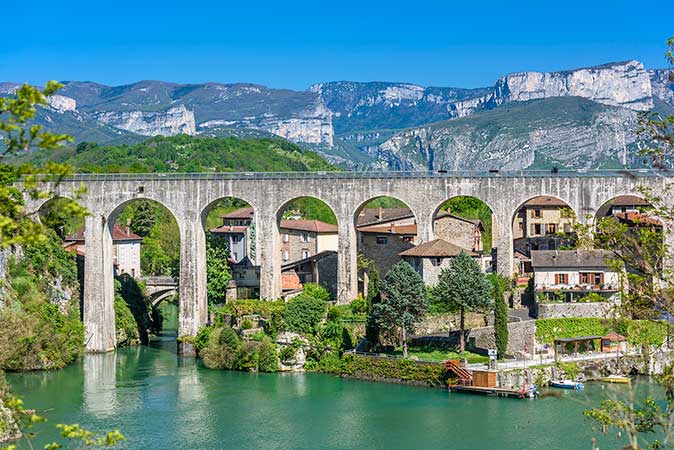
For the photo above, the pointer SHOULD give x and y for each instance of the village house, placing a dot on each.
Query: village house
(384, 233)
(301, 239)
(570, 275)
(237, 229)
(125, 249)
(541, 223)
(430, 258)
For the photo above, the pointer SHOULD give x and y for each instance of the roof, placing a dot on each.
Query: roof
(290, 281)
(442, 213)
(437, 248)
(613, 336)
(316, 257)
(637, 218)
(546, 200)
(230, 229)
(242, 213)
(315, 226)
(119, 234)
(389, 229)
(629, 200)
(570, 258)
(368, 216)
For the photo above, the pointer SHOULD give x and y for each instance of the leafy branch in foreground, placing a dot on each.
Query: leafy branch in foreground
(24, 420)
(17, 134)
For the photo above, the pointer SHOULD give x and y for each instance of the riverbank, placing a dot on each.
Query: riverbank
(165, 402)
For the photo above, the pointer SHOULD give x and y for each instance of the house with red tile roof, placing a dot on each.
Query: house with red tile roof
(125, 249)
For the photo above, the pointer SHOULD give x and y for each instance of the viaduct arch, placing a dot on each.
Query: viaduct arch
(188, 197)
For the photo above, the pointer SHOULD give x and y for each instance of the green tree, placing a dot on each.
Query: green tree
(499, 286)
(18, 134)
(403, 301)
(642, 251)
(218, 272)
(144, 218)
(464, 287)
(303, 314)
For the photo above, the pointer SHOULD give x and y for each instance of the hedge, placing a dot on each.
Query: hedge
(394, 370)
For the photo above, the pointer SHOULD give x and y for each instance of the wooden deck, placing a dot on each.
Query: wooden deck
(493, 391)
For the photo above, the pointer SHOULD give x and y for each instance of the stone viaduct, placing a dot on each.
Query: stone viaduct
(189, 197)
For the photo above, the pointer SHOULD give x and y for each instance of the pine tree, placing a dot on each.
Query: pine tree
(466, 288)
(144, 218)
(403, 301)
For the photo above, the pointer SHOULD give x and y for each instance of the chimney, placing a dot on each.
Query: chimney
(128, 224)
(449, 210)
(379, 213)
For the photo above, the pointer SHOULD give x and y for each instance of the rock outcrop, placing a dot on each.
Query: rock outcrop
(61, 103)
(175, 120)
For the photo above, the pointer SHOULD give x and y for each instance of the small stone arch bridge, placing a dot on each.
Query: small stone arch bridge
(190, 196)
(160, 288)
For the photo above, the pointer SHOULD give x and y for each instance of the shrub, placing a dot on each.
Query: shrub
(359, 305)
(303, 314)
(267, 359)
(246, 324)
(316, 291)
(263, 308)
(203, 336)
(221, 351)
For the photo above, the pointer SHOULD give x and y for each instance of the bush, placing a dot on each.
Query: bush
(263, 308)
(316, 291)
(359, 306)
(225, 350)
(203, 336)
(303, 314)
(246, 324)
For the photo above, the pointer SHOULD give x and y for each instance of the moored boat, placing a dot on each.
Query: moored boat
(615, 379)
(567, 384)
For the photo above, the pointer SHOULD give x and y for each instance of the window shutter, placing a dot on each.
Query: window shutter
(556, 278)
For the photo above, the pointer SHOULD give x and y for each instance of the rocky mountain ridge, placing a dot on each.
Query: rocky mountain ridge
(381, 125)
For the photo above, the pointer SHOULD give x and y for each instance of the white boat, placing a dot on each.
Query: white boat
(567, 384)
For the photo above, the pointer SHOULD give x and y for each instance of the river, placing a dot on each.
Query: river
(159, 401)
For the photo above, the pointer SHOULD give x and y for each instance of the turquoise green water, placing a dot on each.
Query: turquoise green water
(160, 401)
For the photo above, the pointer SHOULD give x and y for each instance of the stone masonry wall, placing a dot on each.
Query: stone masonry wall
(519, 334)
(563, 310)
(456, 231)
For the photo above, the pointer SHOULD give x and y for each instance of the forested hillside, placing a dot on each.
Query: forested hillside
(186, 154)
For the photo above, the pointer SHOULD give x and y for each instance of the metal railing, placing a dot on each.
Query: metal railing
(216, 176)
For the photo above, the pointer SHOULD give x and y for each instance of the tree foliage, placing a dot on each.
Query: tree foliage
(403, 301)
(464, 287)
(218, 273)
(499, 286)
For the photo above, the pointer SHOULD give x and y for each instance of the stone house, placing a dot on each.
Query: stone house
(320, 268)
(540, 224)
(125, 249)
(383, 233)
(301, 239)
(572, 274)
(430, 258)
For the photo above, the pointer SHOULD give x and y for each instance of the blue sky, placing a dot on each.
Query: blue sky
(288, 44)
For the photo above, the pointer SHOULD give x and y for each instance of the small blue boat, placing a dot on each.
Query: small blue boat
(567, 384)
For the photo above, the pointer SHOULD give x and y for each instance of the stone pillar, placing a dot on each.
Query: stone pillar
(347, 260)
(424, 220)
(99, 286)
(268, 256)
(502, 235)
(193, 302)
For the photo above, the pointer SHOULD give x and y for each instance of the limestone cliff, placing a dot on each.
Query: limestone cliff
(175, 120)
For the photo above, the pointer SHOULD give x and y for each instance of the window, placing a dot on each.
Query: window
(521, 226)
(241, 275)
(561, 278)
(536, 213)
(408, 239)
(536, 229)
(591, 278)
(552, 228)
(235, 256)
(305, 237)
(436, 261)
(285, 255)
(286, 238)
(236, 239)
(382, 240)
(305, 253)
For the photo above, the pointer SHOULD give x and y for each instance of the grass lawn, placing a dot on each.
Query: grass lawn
(435, 354)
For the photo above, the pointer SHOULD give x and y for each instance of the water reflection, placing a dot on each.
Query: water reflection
(100, 384)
